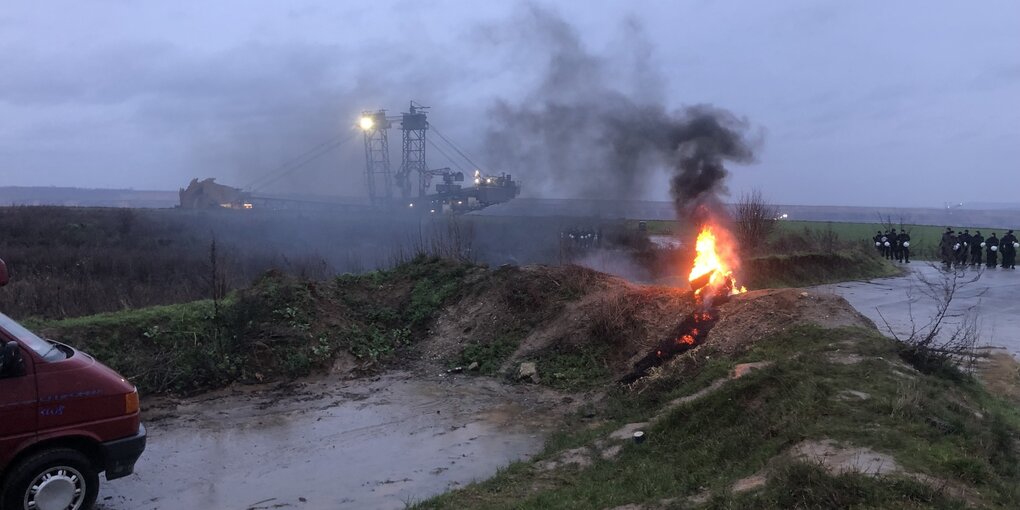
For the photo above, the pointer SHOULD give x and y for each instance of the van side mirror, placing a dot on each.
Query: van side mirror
(11, 362)
(4, 275)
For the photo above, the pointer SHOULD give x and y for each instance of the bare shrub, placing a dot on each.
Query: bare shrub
(826, 240)
(754, 220)
(613, 318)
(447, 237)
(948, 337)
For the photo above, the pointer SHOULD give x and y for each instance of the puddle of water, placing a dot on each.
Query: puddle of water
(360, 444)
(993, 297)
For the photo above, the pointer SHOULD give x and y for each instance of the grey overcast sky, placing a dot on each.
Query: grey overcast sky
(880, 103)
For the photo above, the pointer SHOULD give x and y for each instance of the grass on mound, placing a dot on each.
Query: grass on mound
(280, 327)
(805, 269)
(947, 428)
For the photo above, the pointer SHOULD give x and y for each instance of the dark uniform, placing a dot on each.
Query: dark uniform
(975, 248)
(1008, 250)
(992, 255)
(903, 241)
(878, 242)
(961, 255)
(946, 247)
(892, 245)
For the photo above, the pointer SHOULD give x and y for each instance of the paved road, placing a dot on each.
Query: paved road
(330, 445)
(995, 298)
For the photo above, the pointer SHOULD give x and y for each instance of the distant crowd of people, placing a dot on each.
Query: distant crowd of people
(957, 249)
(893, 246)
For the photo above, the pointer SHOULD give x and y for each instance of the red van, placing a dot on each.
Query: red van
(64, 418)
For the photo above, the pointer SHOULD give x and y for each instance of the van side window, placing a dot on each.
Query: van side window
(12, 363)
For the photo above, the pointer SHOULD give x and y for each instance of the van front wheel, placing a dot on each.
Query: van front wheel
(57, 479)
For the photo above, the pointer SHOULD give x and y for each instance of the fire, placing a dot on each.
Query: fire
(709, 262)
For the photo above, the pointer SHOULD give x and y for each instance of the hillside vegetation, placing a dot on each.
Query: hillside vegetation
(581, 327)
(807, 417)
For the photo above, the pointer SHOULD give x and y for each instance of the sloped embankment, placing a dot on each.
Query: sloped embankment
(580, 327)
(283, 327)
(789, 408)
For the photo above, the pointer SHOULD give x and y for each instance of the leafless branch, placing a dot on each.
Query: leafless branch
(950, 332)
(755, 220)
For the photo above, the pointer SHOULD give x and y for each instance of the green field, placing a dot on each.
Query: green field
(924, 239)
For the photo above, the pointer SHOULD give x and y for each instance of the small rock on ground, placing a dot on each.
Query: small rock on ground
(745, 368)
(837, 459)
(580, 456)
(750, 483)
(853, 395)
(528, 371)
(611, 452)
(627, 431)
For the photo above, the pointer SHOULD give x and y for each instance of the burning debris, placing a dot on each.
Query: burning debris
(711, 269)
(713, 283)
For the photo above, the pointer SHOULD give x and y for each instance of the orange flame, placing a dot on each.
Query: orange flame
(710, 261)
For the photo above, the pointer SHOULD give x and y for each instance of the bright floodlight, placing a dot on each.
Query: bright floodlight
(366, 123)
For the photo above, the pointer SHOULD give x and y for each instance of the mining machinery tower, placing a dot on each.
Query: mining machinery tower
(450, 195)
(378, 176)
(413, 125)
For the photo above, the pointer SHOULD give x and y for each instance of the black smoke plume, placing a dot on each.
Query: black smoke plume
(582, 134)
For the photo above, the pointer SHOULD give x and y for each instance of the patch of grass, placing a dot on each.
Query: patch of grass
(165, 348)
(926, 422)
(489, 356)
(372, 343)
(280, 327)
(801, 270)
(573, 368)
(800, 485)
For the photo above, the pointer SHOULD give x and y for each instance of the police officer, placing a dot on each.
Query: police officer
(946, 247)
(891, 254)
(878, 242)
(991, 251)
(903, 241)
(964, 240)
(1008, 249)
(975, 248)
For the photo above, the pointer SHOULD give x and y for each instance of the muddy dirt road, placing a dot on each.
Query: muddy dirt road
(995, 296)
(369, 443)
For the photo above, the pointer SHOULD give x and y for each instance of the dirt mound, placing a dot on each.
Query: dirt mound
(561, 316)
(761, 313)
(541, 313)
(510, 304)
(580, 327)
